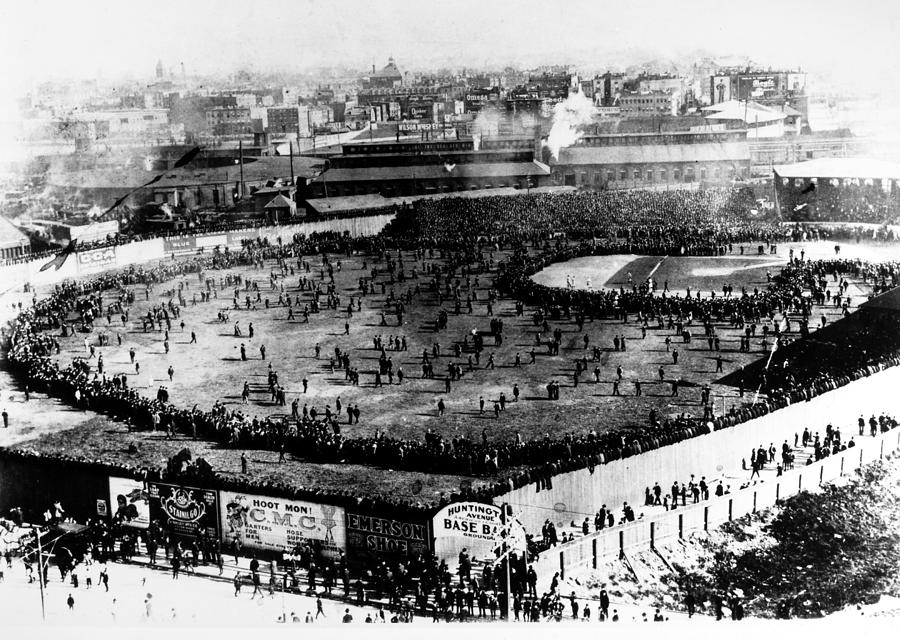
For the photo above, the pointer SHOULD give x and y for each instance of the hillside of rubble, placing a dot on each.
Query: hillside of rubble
(812, 555)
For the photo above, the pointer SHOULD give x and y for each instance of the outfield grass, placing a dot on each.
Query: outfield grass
(212, 370)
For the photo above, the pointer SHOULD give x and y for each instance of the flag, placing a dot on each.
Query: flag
(60, 258)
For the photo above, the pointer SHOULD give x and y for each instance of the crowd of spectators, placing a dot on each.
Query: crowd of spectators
(693, 223)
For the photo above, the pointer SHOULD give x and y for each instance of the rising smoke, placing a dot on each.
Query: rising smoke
(487, 123)
(569, 117)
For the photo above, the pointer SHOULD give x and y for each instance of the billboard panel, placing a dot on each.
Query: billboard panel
(721, 89)
(96, 260)
(130, 502)
(211, 241)
(185, 511)
(181, 244)
(370, 536)
(280, 525)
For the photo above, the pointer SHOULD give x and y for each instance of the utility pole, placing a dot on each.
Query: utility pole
(291, 154)
(241, 163)
(508, 558)
(40, 566)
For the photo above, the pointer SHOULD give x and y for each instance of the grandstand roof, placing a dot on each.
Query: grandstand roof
(887, 301)
(331, 206)
(839, 168)
(434, 172)
(10, 236)
(656, 153)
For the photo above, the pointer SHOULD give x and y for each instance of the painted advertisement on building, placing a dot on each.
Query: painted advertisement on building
(371, 536)
(96, 260)
(184, 511)
(130, 502)
(280, 525)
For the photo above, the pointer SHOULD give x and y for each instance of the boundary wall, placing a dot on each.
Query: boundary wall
(92, 261)
(579, 494)
(587, 553)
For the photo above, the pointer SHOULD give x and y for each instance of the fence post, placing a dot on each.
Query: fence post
(706, 518)
(680, 526)
(621, 544)
(653, 535)
(842, 466)
(730, 504)
(594, 551)
(754, 502)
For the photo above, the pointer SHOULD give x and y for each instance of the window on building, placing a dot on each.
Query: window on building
(636, 174)
(676, 174)
(662, 175)
(649, 175)
(610, 176)
(623, 174)
(703, 174)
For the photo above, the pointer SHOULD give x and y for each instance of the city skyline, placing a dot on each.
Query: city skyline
(63, 41)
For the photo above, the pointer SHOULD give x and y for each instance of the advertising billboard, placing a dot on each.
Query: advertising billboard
(370, 536)
(280, 525)
(721, 89)
(96, 260)
(181, 244)
(130, 502)
(184, 511)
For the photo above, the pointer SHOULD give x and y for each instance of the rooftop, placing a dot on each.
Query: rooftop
(656, 153)
(744, 111)
(840, 168)
(433, 172)
(255, 169)
(10, 236)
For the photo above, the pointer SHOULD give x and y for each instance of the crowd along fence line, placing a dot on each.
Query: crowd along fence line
(590, 551)
(94, 260)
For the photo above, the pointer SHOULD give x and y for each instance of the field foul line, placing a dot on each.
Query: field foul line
(653, 270)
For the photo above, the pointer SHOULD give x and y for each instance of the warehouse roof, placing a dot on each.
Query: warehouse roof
(10, 236)
(435, 172)
(840, 168)
(656, 153)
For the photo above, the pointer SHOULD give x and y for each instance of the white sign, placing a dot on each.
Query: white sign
(130, 502)
(280, 525)
(472, 520)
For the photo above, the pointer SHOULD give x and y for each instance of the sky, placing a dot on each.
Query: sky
(53, 39)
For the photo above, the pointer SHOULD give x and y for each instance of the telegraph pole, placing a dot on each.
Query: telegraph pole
(40, 566)
(241, 163)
